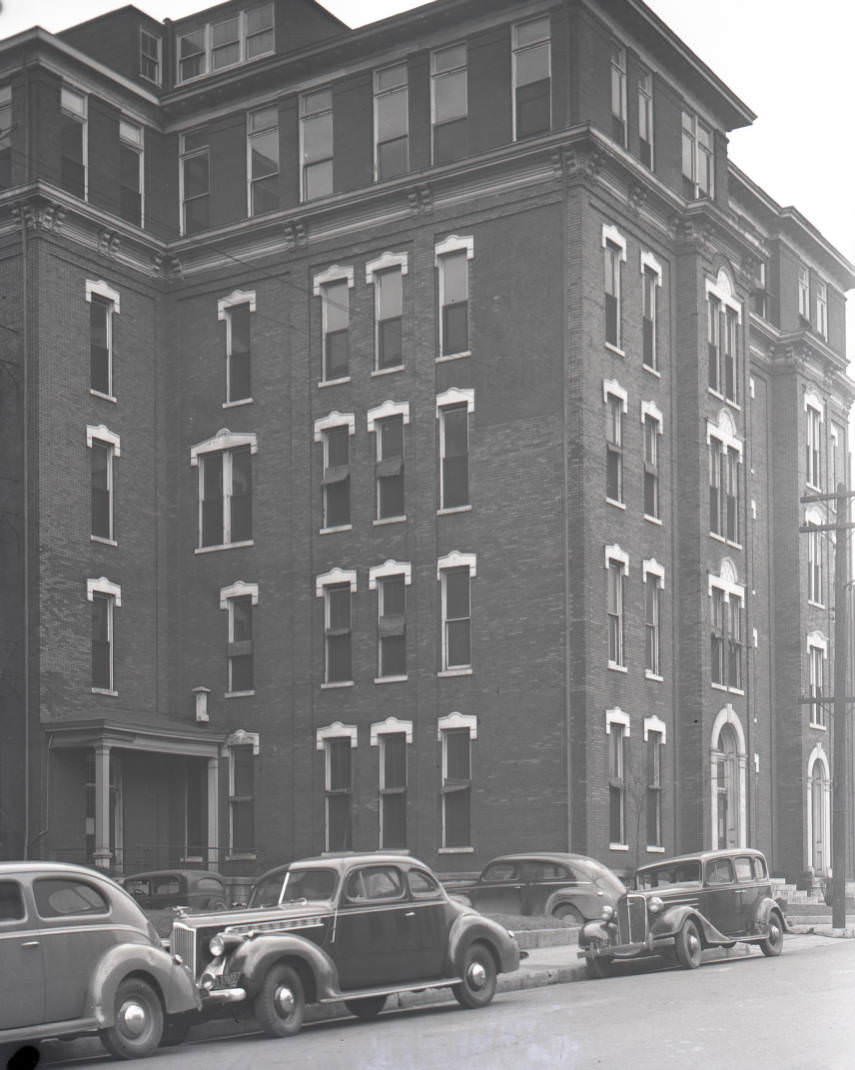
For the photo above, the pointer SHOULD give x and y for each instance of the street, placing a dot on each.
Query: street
(791, 1012)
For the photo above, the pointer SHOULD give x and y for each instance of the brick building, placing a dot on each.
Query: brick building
(403, 437)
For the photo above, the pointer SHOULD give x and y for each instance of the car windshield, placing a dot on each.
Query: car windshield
(669, 873)
(293, 885)
(605, 879)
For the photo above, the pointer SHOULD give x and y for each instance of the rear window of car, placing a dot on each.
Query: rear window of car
(57, 897)
(744, 869)
(759, 868)
(209, 884)
(499, 871)
(11, 901)
(422, 885)
(544, 871)
(166, 886)
(719, 872)
(375, 882)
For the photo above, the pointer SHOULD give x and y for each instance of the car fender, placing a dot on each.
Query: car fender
(589, 904)
(468, 928)
(764, 909)
(173, 980)
(594, 932)
(672, 920)
(254, 957)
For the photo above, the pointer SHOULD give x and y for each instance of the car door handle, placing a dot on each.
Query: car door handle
(30, 943)
(410, 914)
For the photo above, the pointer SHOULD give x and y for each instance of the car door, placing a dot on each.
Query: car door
(433, 916)
(719, 900)
(375, 930)
(499, 889)
(541, 880)
(21, 958)
(750, 891)
(76, 930)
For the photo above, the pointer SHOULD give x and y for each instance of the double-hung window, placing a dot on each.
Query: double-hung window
(449, 104)
(225, 488)
(452, 410)
(391, 122)
(242, 796)
(723, 339)
(456, 733)
(104, 598)
(615, 400)
(455, 573)
(236, 310)
(387, 274)
(104, 448)
(815, 558)
(654, 580)
(651, 280)
(655, 741)
(241, 37)
(150, 56)
(131, 172)
(817, 655)
(333, 287)
(532, 76)
(725, 478)
(651, 422)
(239, 601)
(804, 293)
(617, 566)
(195, 182)
(104, 303)
(813, 443)
(391, 581)
(337, 588)
(5, 137)
(334, 432)
(393, 786)
(822, 309)
(316, 144)
(618, 82)
(726, 630)
(614, 254)
(698, 157)
(452, 258)
(262, 134)
(72, 141)
(338, 791)
(387, 422)
(617, 728)
(645, 119)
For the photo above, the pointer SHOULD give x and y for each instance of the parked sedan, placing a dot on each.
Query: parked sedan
(572, 887)
(158, 892)
(79, 956)
(351, 928)
(680, 906)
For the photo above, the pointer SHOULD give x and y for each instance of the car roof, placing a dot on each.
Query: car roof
(187, 873)
(706, 856)
(8, 869)
(543, 856)
(346, 859)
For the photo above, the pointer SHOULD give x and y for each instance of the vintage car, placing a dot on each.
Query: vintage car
(79, 956)
(680, 906)
(158, 892)
(571, 887)
(351, 927)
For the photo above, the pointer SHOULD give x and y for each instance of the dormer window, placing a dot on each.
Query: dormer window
(215, 46)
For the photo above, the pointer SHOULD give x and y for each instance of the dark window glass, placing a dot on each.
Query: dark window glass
(11, 901)
(533, 109)
(101, 512)
(130, 197)
(455, 457)
(101, 660)
(241, 496)
(212, 499)
(338, 634)
(58, 897)
(99, 345)
(239, 355)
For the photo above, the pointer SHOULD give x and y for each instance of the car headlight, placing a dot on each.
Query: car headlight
(206, 982)
(608, 912)
(217, 945)
(655, 904)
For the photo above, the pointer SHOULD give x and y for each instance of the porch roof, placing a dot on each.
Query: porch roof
(155, 734)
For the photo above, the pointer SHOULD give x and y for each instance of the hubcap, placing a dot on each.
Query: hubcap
(133, 1019)
(284, 1000)
(774, 934)
(694, 943)
(476, 975)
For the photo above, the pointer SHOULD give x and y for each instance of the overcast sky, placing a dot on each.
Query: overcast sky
(790, 63)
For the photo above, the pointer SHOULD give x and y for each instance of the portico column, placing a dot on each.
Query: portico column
(213, 813)
(102, 855)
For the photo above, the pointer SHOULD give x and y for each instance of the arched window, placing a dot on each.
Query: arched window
(818, 831)
(727, 776)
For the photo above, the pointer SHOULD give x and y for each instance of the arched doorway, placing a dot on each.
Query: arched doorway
(818, 813)
(727, 775)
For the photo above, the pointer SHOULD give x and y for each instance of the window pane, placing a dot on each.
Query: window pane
(394, 760)
(339, 764)
(339, 607)
(457, 754)
(317, 137)
(457, 593)
(457, 818)
(449, 97)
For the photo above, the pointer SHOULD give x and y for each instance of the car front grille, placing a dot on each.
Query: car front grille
(632, 919)
(183, 943)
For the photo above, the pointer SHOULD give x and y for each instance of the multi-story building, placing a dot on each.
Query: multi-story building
(403, 438)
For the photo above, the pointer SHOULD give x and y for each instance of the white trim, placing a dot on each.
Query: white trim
(390, 568)
(241, 738)
(331, 274)
(726, 580)
(655, 724)
(651, 409)
(818, 755)
(613, 235)
(103, 586)
(103, 289)
(615, 553)
(817, 641)
(383, 263)
(612, 388)
(388, 408)
(391, 724)
(453, 244)
(234, 299)
(724, 431)
(335, 575)
(334, 419)
(457, 720)
(727, 715)
(336, 730)
(651, 567)
(238, 589)
(813, 516)
(617, 716)
(722, 290)
(224, 440)
(456, 395)
(103, 434)
(648, 260)
(813, 401)
(457, 560)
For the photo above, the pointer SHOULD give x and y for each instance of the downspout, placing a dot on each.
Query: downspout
(25, 338)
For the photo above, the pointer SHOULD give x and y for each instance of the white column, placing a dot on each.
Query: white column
(213, 813)
(102, 856)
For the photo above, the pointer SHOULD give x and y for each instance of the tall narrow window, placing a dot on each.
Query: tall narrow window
(619, 94)
(225, 43)
(645, 119)
(654, 789)
(532, 76)
(101, 345)
(731, 460)
(263, 158)
(456, 745)
(449, 104)
(616, 576)
(337, 634)
(714, 319)
(192, 57)
(131, 172)
(390, 467)
(239, 601)
(241, 799)
(259, 40)
(614, 448)
(150, 56)
(238, 350)
(734, 642)
(454, 456)
(817, 655)
(225, 490)
(5, 137)
(388, 318)
(836, 465)
(822, 309)
(393, 789)
(103, 597)
(336, 477)
(617, 783)
(698, 157)
(104, 447)
(335, 327)
(391, 626)
(717, 637)
(650, 281)
(652, 430)
(195, 182)
(72, 142)
(653, 581)
(725, 459)
(613, 294)
(453, 268)
(731, 355)
(456, 619)
(804, 293)
(727, 629)
(813, 446)
(338, 793)
(316, 144)
(391, 122)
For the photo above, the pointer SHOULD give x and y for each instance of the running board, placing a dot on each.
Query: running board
(368, 993)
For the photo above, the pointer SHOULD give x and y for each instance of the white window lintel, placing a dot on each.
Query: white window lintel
(336, 730)
(390, 725)
(335, 576)
(651, 567)
(456, 396)
(612, 235)
(655, 724)
(234, 299)
(615, 553)
(241, 738)
(457, 560)
(452, 244)
(101, 433)
(335, 273)
(334, 419)
(224, 440)
(457, 720)
(813, 401)
(617, 716)
(612, 388)
(819, 641)
(238, 589)
(651, 409)
(102, 585)
(390, 568)
(103, 289)
(648, 260)
(388, 408)
(383, 263)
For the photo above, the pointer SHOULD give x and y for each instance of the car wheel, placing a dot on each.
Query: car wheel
(688, 946)
(280, 1004)
(217, 904)
(175, 1031)
(479, 978)
(569, 914)
(597, 968)
(138, 1023)
(773, 944)
(368, 1007)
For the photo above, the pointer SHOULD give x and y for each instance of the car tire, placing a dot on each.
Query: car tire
(688, 945)
(175, 1031)
(597, 968)
(281, 1002)
(137, 1028)
(366, 1008)
(217, 904)
(568, 913)
(773, 944)
(478, 972)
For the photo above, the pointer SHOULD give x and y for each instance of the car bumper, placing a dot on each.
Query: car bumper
(217, 996)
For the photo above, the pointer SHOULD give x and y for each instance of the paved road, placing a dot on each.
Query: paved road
(792, 1013)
